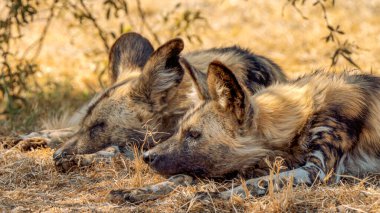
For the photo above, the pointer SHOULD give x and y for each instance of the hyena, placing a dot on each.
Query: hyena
(150, 86)
(323, 125)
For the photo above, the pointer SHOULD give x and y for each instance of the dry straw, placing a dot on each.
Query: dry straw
(29, 182)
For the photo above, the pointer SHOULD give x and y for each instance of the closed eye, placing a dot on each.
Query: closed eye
(96, 129)
(193, 135)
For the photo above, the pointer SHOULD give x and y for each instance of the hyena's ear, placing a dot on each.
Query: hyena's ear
(198, 77)
(226, 90)
(129, 52)
(162, 73)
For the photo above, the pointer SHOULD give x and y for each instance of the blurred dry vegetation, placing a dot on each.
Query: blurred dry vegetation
(54, 52)
(54, 58)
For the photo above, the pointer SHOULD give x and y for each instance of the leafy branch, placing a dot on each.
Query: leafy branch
(182, 22)
(342, 49)
(14, 71)
(18, 65)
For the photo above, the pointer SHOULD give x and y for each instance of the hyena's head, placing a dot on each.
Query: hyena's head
(211, 140)
(145, 82)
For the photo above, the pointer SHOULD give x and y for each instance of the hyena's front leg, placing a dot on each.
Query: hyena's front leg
(68, 163)
(327, 141)
(52, 138)
(151, 192)
(307, 174)
(44, 138)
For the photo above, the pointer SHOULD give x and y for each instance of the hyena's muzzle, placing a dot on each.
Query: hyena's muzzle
(170, 158)
(163, 160)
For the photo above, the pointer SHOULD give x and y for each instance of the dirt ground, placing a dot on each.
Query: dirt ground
(29, 181)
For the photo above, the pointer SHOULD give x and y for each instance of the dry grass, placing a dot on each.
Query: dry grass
(29, 181)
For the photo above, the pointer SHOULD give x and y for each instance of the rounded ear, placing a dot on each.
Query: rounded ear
(198, 77)
(162, 73)
(130, 51)
(225, 89)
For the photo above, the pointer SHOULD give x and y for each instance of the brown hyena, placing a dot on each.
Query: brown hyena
(320, 124)
(152, 87)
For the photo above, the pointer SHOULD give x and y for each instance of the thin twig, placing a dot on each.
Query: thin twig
(40, 41)
(95, 23)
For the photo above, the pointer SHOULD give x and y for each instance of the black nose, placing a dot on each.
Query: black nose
(149, 157)
(59, 154)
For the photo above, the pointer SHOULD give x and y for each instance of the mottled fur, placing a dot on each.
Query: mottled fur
(319, 123)
(152, 87)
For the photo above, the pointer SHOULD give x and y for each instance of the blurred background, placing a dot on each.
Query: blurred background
(54, 53)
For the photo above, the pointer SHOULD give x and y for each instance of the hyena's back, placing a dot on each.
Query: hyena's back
(349, 107)
(254, 71)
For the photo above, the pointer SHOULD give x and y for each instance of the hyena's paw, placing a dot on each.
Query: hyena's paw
(66, 164)
(23, 144)
(8, 142)
(253, 187)
(72, 162)
(151, 192)
(136, 196)
(208, 196)
(32, 143)
(54, 137)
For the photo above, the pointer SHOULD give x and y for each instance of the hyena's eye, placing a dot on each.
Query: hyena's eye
(96, 129)
(192, 134)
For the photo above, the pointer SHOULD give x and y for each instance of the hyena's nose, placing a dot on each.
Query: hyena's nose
(149, 157)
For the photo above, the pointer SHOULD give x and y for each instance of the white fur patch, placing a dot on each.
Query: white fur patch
(300, 175)
(320, 156)
(340, 168)
(320, 129)
(193, 96)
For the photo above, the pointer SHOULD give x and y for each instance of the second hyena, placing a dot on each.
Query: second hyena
(152, 87)
(320, 124)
